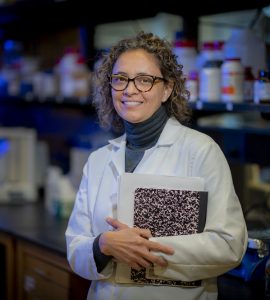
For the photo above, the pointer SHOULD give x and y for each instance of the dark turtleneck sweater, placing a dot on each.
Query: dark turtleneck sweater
(140, 137)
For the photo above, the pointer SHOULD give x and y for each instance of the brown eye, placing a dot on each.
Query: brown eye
(119, 79)
(144, 80)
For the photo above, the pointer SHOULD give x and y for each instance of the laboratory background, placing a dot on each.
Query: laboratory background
(48, 125)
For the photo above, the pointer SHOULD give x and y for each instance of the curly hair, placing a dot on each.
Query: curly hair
(176, 105)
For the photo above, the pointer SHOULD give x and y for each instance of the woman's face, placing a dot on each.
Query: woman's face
(131, 104)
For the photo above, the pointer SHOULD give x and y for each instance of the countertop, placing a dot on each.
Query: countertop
(32, 222)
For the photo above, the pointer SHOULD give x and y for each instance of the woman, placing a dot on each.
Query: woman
(140, 88)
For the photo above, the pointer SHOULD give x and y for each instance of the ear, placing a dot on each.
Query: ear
(168, 88)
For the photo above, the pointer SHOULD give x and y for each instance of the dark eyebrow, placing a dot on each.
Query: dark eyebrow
(138, 74)
(121, 73)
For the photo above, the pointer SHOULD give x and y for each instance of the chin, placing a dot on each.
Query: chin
(133, 119)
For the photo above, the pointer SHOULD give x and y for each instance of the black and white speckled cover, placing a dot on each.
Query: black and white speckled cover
(168, 212)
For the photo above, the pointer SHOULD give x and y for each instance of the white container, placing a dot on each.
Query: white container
(212, 50)
(74, 76)
(52, 193)
(44, 84)
(245, 44)
(192, 85)
(232, 80)
(209, 82)
(186, 55)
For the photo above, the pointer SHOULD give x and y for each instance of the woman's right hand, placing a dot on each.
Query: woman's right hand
(131, 246)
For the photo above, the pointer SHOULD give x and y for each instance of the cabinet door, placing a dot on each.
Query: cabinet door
(7, 271)
(44, 275)
(44, 280)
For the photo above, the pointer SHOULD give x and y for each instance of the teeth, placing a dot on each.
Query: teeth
(132, 103)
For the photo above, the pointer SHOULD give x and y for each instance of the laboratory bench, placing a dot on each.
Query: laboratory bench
(33, 253)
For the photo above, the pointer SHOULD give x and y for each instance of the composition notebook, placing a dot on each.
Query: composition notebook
(168, 206)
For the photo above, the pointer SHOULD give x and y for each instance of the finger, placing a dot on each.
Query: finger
(147, 258)
(135, 266)
(146, 233)
(143, 262)
(134, 261)
(158, 260)
(154, 246)
(115, 223)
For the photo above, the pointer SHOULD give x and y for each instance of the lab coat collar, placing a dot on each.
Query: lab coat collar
(171, 132)
(168, 136)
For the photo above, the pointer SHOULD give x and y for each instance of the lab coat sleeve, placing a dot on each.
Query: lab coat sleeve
(79, 236)
(223, 243)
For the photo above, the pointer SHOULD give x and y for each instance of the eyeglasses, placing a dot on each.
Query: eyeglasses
(143, 83)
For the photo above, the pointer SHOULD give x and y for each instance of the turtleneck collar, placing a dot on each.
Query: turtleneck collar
(144, 135)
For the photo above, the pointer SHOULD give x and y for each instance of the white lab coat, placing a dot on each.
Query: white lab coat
(180, 151)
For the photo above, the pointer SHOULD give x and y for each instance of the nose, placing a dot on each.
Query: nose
(131, 88)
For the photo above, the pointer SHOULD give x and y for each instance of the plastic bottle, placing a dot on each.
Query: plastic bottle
(52, 193)
(206, 54)
(218, 50)
(186, 55)
(212, 50)
(67, 197)
(262, 87)
(232, 80)
(192, 85)
(245, 44)
(209, 82)
(73, 75)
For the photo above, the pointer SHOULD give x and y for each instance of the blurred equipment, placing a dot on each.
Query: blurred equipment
(18, 182)
(163, 24)
(252, 267)
(4, 147)
(59, 193)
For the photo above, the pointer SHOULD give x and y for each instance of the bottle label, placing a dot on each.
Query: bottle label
(209, 88)
(192, 87)
(232, 86)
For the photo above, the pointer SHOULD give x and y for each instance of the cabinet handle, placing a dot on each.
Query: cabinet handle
(40, 272)
(29, 283)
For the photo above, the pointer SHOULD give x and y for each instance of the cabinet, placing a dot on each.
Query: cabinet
(33, 262)
(39, 274)
(7, 270)
(44, 275)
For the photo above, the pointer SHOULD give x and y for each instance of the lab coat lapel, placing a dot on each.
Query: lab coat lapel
(153, 159)
(117, 163)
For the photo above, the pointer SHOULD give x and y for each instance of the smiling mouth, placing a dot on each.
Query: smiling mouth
(132, 103)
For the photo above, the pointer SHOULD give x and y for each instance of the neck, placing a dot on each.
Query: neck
(144, 135)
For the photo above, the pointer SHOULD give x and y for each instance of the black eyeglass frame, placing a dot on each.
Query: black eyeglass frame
(133, 79)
